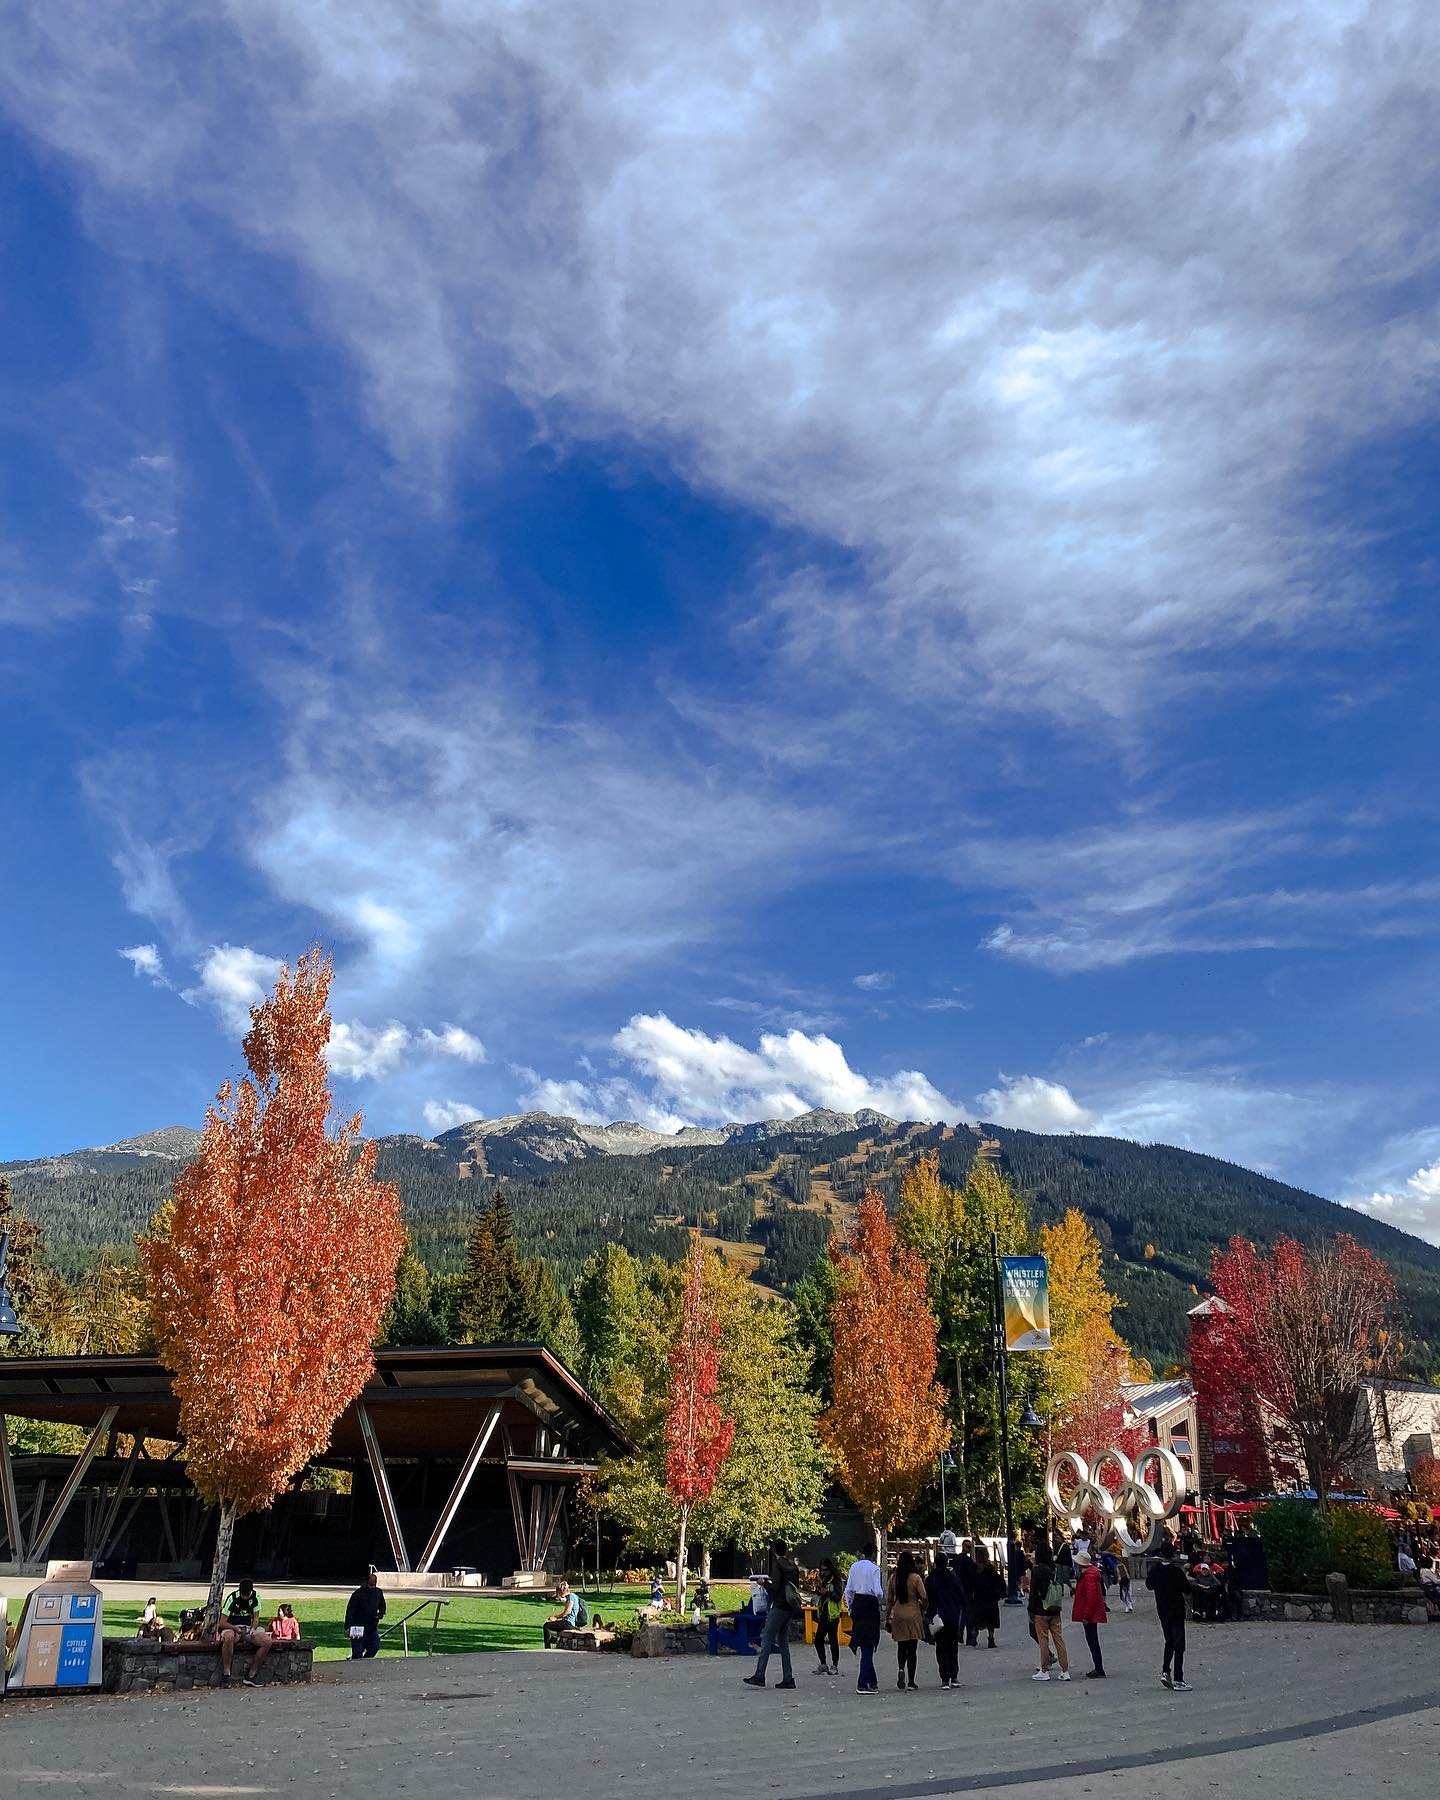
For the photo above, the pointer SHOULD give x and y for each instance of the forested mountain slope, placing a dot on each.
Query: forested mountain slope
(771, 1194)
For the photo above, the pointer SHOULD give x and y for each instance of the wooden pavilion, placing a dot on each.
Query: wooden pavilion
(446, 1436)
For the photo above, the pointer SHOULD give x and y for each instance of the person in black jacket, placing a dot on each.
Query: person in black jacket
(1170, 1584)
(947, 1603)
(364, 1612)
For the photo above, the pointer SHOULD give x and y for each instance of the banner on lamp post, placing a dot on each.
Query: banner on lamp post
(1025, 1281)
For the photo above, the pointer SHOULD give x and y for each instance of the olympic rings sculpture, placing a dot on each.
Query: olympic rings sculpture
(1118, 1506)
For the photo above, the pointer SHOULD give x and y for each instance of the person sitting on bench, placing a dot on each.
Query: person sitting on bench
(241, 1625)
(568, 1617)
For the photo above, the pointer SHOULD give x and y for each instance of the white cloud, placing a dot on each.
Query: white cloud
(985, 332)
(454, 1040)
(233, 980)
(686, 1077)
(145, 959)
(1148, 886)
(1030, 1103)
(1408, 1200)
(445, 1115)
(366, 1053)
(876, 982)
(534, 856)
(1415, 1209)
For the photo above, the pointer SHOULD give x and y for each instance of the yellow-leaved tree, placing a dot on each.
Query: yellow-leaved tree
(1089, 1361)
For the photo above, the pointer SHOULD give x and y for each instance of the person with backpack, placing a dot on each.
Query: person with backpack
(568, 1618)
(1088, 1610)
(827, 1616)
(784, 1590)
(1046, 1598)
(1169, 1583)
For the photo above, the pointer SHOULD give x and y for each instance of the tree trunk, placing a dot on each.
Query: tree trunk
(882, 1549)
(705, 1563)
(224, 1537)
(680, 1555)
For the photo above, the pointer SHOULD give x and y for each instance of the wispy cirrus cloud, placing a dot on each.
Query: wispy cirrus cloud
(1003, 383)
(1104, 896)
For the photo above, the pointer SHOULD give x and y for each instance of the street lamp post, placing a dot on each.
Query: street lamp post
(947, 1461)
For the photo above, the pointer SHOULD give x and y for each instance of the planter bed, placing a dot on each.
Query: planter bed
(143, 1666)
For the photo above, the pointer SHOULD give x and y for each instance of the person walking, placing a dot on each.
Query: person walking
(1089, 1611)
(827, 1616)
(1122, 1575)
(363, 1613)
(1045, 1600)
(986, 1594)
(905, 1616)
(1170, 1584)
(864, 1593)
(784, 1587)
(946, 1603)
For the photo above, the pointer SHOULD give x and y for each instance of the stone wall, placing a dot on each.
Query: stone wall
(1368, 1606)
(678, 1637)
(143, 1666)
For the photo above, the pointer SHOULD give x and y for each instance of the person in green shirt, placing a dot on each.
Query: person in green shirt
(241, 1625)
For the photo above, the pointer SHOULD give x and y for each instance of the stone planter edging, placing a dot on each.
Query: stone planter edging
(143, 1666)
(1368, 1606)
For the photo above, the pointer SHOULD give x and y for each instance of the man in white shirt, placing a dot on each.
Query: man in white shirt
(1405, 1561)
(863, 1600)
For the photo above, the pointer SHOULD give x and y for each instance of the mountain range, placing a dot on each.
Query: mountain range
(768, 1195)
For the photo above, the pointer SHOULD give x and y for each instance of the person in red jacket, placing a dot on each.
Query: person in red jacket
(1088, 1609)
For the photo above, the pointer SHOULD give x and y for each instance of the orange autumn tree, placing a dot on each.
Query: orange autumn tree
(698, 1434)
(271, 1267)
(886, 1424)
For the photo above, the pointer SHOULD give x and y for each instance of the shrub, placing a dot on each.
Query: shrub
(1295, 1546)
(1359, 1546)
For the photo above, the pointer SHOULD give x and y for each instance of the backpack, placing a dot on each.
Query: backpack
(582, 1612)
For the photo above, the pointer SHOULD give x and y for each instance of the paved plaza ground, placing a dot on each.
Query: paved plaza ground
(1312, 1711)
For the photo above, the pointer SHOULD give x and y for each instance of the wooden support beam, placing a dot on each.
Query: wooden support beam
(558, 1496)
(532, 1544)
(513, 1481)
(382, 1488)
(14, 1526)
(98, 1547)
(165, 1526)
(71, 1485)
(457, 1493)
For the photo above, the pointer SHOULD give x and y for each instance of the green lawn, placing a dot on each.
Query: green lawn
(467, 1622)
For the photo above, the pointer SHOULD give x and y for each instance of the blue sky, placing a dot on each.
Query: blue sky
(726, 562)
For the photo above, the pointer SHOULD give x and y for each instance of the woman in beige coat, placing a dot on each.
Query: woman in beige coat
(905, 1616)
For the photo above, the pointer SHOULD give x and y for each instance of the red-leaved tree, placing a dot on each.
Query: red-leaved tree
(269, 1270)
(697, 1432)
(886, 1423)
(1292, 1338)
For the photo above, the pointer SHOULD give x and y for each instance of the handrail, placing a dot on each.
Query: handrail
(403, 1625)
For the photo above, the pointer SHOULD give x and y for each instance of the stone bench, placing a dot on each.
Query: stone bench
(585, 1637)
(146, 1666)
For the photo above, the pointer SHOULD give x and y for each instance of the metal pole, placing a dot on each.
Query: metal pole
(944, 1521)
(1012, 1576)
